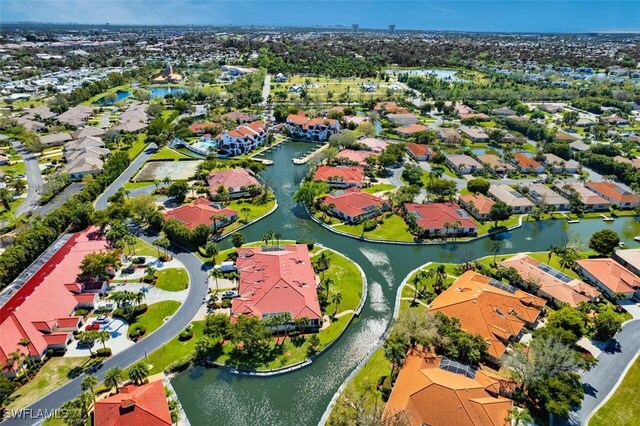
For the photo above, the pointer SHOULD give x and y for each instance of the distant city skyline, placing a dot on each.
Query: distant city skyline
(452, 15)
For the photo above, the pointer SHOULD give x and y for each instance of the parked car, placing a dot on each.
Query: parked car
(102, 319)
(92, 326)
(128, 270)
(230, 294)
(140, 260)
(85, 344)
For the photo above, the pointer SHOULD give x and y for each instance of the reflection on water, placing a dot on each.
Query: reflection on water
(215, 397)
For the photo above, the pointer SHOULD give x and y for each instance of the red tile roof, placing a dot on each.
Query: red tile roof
(613, 192)
(299, 119)
(419, 150)
(276, 281)
(481, 202)
(45, 298)
(201, 127)
(525, 162)
(434, 216)
(144, 405)
(197, 213)
(231, 179)
(390, 107)
(353, 203)
(349, 174)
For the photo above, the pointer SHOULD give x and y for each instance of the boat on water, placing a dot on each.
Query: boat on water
(637, 238)
(573, 220)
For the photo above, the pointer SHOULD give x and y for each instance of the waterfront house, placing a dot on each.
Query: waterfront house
(474, 134)
(436, 219)
(615, 194)
(241, 140)
(275, 280)
(134, 405)
(200, 212)
(629, 258)
(610, 277)
(560, 165)
(541, 194)
(463, 164)
(167, 75)
(340, 176)
(402, 119)
(236, 182)
(510, 196)
(389, 107)
(353, 205)
(373, 144)
(549, 282)
(495, 163)
(315, 129)
(436, 391)
(496, 311)
(359, 157)
(411, 129)
(526, 164)
(449, 136)
(479, 206)
(591, 201)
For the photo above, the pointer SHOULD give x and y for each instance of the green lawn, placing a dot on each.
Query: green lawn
(54, 373)
(544, 258)
(138, 146)
(255, 211)
(165, 153)
(484, 228)
(136, 185)
(347, 279)
(392, 229)
(174, 349)
(622, 409)
(142, 248)
(379, 188)
(172, 279)
(155, 315)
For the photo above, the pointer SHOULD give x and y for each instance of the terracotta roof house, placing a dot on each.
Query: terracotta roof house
(559, 165)
(540, 193)
(202, 128)
(475, 134)
(199, 213)
(497, 164)
(55, 139)
(411, 129)
(42, 310)
(403, 119)
(449, 135)
(340, 176)
(317, 129)
(239, 116)
(235, 181)
(389, 107)
(478, 206)
(275, 280)
(590, 200)
(134, 405)
(635, 162)
(168, 75)
(436, 391)
(526, 164)
(615, 194)
(463, 164)
(432, 218)
(373, 144)
(354, 206)
(629, 258)
(510, 196)
(490, 308)
(359, 157)
(610, 277)
(419, 152)
(551, 283)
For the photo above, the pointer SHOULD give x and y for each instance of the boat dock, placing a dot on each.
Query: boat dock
(606, 218)
(310, 155)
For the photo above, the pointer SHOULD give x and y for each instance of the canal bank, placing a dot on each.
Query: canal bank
(218, 397)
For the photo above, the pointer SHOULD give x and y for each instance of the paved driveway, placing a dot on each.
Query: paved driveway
(117, 327)
(34, 178)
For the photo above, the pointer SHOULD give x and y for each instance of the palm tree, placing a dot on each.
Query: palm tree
(216, 273)
(245, 212)
(139, 372)
(12, 359)
(441, 275)
(328, 282)
(162, 242)
(567, 257)
(139, 297)
(113, 378)
(211, 250)
(89, 383)
(456, 227)
(218, 219)
(277, 236)
(103, 336)
(336, 299)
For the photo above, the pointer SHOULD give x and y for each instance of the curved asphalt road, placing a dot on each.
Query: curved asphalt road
(102, 201)
(602, 379)
(198, 288)
(34, 178)
(196, 297)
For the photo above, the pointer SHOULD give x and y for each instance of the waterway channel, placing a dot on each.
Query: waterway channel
(217, 397)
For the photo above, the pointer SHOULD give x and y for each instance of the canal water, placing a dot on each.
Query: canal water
(216, 397)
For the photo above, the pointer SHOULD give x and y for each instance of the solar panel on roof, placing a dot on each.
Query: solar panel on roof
(502, 286)
(555, 273)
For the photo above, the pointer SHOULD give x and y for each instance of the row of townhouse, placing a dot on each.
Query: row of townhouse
(313, 129)
(241, 140)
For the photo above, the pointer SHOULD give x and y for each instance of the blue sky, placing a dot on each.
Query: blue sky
(458, 15)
